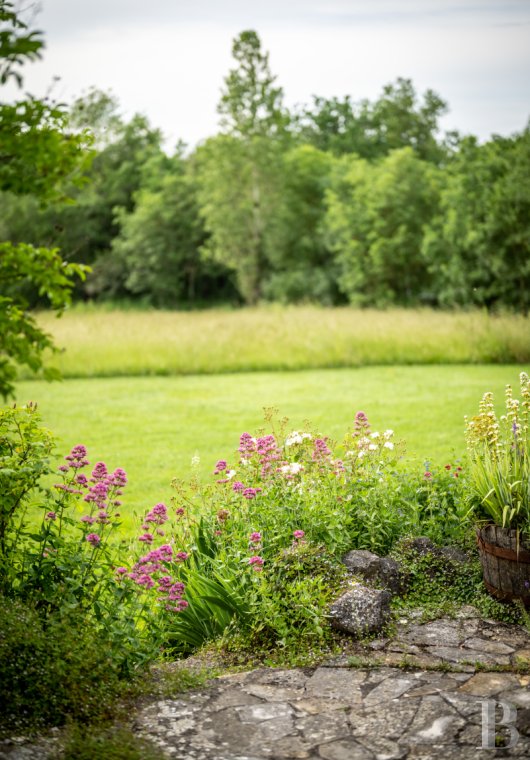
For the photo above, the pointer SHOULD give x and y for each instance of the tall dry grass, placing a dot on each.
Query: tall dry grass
(105, 343)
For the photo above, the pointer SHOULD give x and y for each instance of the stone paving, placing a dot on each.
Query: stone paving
(457, 681)
(442, 688)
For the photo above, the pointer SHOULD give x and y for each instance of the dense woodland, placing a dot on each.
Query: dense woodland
(337, 202)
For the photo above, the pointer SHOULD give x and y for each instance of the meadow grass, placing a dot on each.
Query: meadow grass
(103, 343)
(153, 426)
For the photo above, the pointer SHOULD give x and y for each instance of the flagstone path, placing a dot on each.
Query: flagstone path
(439, 689)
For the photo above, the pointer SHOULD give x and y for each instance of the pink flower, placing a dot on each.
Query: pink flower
(51, 516)
(427, 475)
(88, 519)
(93, 538)
(247, 445)
(298, 534)
(238, 486)
(181, 556)
(256, 562)
(146, 538)
(99, 473)
(121, 570)
(255, 538)
(251, 493)
(321, 449)
(180, 511)
(220, 466)
(77, 457)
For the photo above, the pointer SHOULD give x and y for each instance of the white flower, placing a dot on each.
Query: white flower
(244, 462)
(388, 434)
(230, 474)
(195, 460)
(361, 454)
(372, 447)
(363, 442)
(296, 437)
(374, 435)
(291, 469)
(349, 454)
(389, 445)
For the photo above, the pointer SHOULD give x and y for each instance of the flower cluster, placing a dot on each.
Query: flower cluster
(153, 571)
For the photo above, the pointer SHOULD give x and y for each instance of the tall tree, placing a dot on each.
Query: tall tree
(239, 171)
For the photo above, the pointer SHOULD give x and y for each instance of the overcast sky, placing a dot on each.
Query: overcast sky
(167, 58)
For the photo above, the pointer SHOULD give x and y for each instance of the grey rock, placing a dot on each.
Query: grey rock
(381, 570)
(361, 610)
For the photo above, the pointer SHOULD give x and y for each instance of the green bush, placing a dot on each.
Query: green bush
(54, 669)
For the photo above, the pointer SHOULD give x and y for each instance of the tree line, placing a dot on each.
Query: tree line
(335, 202)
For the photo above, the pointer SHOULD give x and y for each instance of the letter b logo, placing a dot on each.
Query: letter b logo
(509, 716)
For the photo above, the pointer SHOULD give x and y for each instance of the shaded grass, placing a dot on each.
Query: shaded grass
(152, 427)
(118, 343)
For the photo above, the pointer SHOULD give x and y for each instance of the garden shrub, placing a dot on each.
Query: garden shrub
(54, 668)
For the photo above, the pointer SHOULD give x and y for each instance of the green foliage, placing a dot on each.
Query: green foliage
(250, 105)
(440, 586)
(259, 549)
(24, 268)
(375, 224)
(499, 453)
(372, 130)
(114, 743)
(477, 245)
(54, 668)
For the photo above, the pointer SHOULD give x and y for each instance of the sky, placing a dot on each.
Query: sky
(167, 59)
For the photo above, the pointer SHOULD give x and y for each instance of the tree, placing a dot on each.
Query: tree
(160, 240)
(376, 219)
(35, 155)
(397, 119)
(302, 267)
(239, 171)
(478, 246)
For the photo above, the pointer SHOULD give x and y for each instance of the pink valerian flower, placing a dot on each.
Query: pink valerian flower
(93, 538)
(255, 538)
(77, 457)
(158, 515)
(81, 480)
(256, 562)
(251, 493)
(147, 538)
(119, 478)
(63, 468)
(361, 425)
(88, 519)
(98, 494)
(247, 446)
(103, 517)
(339, 467)
(321, 450)
(51, 515)
(238, 486)
(427, 475)
(181, 556)
(99, 473)
(180, 511)
(298, 534)
(121, 570)
(220, 466)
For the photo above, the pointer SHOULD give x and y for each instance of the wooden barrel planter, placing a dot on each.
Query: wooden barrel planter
(505, 563)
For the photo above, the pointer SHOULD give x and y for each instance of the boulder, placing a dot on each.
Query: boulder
(382, 570)
(361, 610)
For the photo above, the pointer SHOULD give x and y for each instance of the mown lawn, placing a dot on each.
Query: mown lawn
(153, 426)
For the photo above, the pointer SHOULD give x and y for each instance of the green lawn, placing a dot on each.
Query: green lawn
(152, 427)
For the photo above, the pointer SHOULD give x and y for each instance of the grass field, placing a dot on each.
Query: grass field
(113, 343)
(153, 426)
